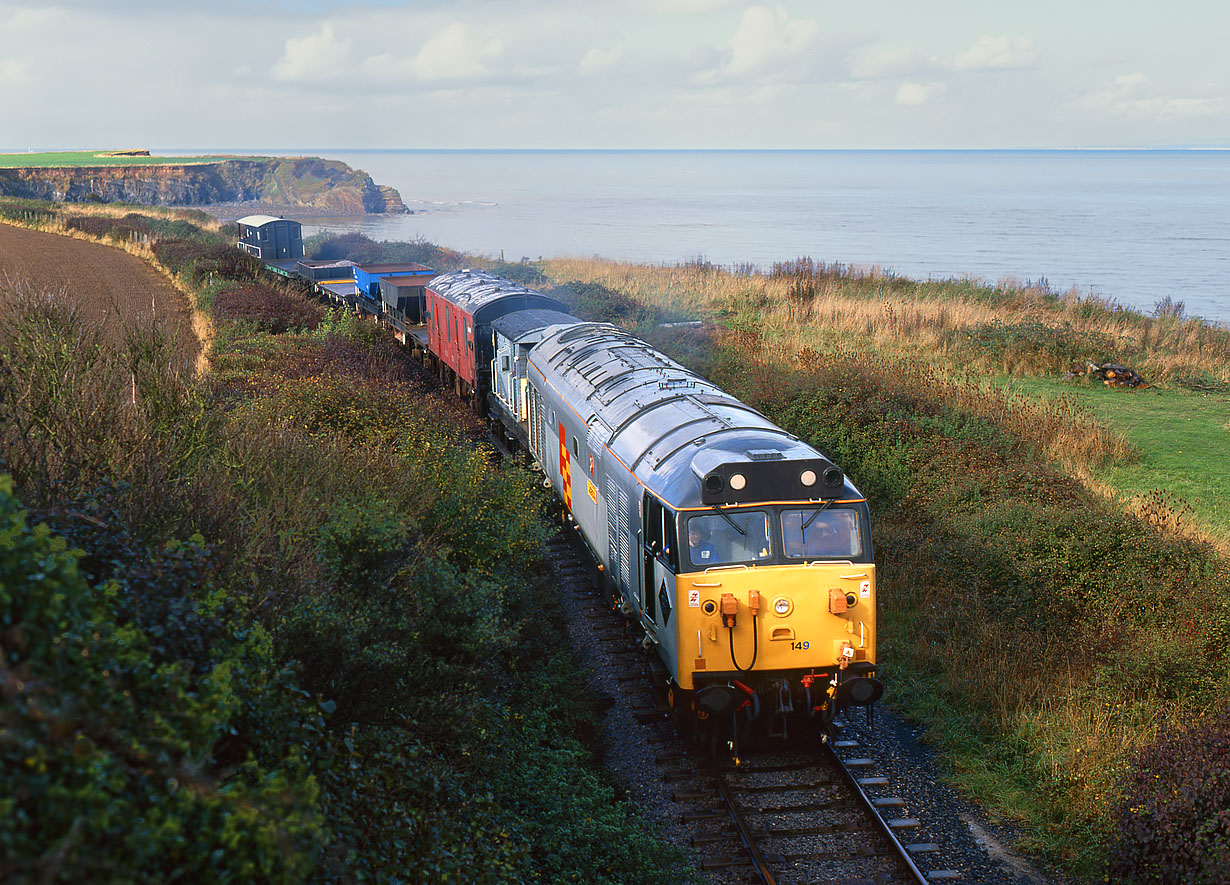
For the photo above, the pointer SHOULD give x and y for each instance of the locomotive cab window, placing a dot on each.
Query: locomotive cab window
(660, 533)
(821, 534)
(728, 537)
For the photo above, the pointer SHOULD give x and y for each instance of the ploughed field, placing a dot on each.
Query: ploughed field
(109, 286)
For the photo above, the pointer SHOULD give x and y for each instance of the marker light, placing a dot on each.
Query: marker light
(782, 606)
(808, 477)
(738, 482)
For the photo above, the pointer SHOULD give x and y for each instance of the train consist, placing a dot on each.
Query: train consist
(743, 553)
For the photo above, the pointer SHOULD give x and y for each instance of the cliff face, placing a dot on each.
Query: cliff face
(326, 186)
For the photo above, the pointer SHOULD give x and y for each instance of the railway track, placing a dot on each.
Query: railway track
(808, 812)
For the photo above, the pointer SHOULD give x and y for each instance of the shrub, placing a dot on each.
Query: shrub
(157, 588)
(200, 260)
(524, 272)
(176, 255)
(363, 250)
(269, 307)
(227, 262)
(106, 763)
(1173, 819)
(27, 214)
(1035, 345)
(165, 228)
(99, 226)
(599, 303)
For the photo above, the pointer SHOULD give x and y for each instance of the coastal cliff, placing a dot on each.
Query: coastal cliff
(296, 183)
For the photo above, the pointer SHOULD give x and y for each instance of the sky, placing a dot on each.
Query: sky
(653, 74)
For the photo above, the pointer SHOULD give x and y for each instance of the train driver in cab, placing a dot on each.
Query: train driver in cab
(702, 552)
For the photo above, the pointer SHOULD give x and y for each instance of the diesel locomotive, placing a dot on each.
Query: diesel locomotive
(743, 554)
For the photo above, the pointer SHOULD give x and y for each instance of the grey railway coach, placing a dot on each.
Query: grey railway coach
(744, 553)
(514, 336)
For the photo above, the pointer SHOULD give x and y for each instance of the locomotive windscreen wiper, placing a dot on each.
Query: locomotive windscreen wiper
(824, 505)
(722, 513)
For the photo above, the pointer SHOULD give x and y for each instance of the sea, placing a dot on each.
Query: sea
(1135, 226)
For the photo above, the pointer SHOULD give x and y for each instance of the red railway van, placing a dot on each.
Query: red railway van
(460, 309)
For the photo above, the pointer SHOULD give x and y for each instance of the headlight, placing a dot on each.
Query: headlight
(782, 606)
(738, 481)
(808, 477)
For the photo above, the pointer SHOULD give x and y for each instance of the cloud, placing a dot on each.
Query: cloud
(319, 56)
(765, 37)
(915, 94)
(768, 44)
(13, 72)
(1133, 96)
(599, 60)
(456, 53)
(997, 54)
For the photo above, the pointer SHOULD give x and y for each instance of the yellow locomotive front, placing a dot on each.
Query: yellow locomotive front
(777, 612)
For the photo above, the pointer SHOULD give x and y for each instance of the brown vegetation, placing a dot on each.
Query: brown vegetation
(1010, 328)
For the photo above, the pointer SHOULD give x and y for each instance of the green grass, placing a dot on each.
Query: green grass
(90, 158)
(1182, 436)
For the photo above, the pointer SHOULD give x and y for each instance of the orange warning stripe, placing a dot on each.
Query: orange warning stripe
(565, 466)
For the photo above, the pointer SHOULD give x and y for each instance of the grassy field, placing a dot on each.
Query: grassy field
(91, 158)
(1180, 440)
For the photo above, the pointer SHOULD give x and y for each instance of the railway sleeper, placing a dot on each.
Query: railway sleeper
(830, 805)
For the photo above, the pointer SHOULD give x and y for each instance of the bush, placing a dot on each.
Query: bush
(201, 261)
(1173, 819)
(107, 755)
(598, 303)
(24, 212)
(526, 273)
(100, 226)
(176, 255)
(364, 250)
(1035, 345)
(147, 581)
(269, 307)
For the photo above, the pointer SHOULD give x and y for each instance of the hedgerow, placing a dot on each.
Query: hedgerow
(269, 307)
(361, 249)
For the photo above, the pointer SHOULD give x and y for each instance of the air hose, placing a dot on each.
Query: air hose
(755, 647)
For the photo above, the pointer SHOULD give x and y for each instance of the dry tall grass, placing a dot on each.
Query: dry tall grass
(808, 305)
(875, 334)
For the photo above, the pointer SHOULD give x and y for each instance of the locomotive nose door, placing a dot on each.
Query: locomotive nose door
(658, 583)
